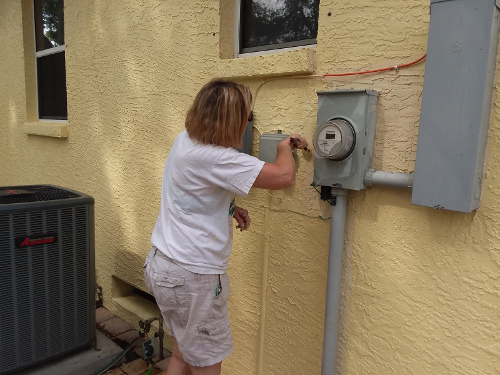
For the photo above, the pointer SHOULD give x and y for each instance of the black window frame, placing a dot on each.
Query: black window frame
(58, 110)
(269, 47)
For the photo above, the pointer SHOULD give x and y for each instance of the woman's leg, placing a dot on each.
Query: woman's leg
(177, 365)
(209, 370)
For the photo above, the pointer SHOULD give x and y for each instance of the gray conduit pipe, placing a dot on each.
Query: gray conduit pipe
(336, 249)
(390, 179)
(337, 229)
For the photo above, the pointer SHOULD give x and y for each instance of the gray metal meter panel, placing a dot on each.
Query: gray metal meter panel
(456, 102)
(339, 111)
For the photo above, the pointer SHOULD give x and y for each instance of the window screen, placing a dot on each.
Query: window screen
(273, 24)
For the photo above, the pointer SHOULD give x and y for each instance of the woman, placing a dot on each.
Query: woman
(186, 267)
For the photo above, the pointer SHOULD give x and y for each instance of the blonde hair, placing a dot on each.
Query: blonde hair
(219, 113)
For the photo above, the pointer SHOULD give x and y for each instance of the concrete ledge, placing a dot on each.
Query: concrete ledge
(294, 62)
(47, 129)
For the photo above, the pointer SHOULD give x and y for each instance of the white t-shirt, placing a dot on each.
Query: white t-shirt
(195, 224)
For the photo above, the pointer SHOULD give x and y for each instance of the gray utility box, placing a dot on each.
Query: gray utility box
(338, 110)
(456, 103)
(268, 146)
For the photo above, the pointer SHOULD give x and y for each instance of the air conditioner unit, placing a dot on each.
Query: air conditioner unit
(47, 274)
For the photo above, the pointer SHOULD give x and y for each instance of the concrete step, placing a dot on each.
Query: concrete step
(83, 362)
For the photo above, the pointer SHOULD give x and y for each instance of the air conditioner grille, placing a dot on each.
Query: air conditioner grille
(33, 193)
(8, 330)
(46, 290)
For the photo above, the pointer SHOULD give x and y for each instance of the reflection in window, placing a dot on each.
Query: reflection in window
(50, 59)
(272, 24)
(49, 24)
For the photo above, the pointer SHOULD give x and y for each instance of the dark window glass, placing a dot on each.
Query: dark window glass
(51, 73)
(271, 24)
(49, 23)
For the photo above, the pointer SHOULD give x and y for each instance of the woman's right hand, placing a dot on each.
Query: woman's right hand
(296, 141)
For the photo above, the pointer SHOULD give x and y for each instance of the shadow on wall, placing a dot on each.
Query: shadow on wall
(127, 98)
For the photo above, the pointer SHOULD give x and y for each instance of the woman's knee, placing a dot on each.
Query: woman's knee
(178, 355)
(209, 370)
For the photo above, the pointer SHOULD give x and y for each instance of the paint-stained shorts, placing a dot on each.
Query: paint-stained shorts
(193, 313)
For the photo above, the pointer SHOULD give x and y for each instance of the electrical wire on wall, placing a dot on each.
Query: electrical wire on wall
(396, 68)
(389, 68)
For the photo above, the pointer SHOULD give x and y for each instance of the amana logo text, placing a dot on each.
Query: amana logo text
(35, 240)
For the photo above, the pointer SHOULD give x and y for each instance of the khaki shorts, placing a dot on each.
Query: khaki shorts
(193, 313)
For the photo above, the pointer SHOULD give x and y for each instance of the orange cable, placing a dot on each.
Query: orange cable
(334, 75)
(377, 70)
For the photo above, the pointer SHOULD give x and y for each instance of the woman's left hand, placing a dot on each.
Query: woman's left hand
(242, 218)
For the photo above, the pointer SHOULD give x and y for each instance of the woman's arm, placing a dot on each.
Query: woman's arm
(281, 173)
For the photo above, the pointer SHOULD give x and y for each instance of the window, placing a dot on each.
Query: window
(273, 24)
(50, 59)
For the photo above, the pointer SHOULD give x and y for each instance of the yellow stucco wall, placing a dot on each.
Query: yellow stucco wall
(420, 289)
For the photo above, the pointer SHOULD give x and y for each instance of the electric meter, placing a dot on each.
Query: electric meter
(345, 137)
(335, 139)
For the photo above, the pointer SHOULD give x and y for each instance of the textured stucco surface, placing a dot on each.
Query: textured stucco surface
(420, 288)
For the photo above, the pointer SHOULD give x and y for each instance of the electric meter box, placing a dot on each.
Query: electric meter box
(456, 104)
(344, 138)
